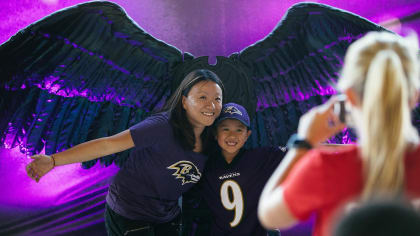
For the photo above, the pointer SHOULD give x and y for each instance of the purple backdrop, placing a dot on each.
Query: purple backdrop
(201, 27)
(212, 28)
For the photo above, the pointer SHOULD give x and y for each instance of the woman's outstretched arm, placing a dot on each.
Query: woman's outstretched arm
(90, 150)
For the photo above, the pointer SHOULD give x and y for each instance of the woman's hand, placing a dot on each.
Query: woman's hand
(41, 165)
(320, 123)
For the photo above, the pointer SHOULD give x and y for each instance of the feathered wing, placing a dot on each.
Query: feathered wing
(89, 71)
(84, 72)
(296, 66)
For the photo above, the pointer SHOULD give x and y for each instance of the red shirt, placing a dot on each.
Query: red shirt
(324, 180)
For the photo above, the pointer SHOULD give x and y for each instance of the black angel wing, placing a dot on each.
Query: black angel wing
(89, 71)
(296, 66)
(81, 73)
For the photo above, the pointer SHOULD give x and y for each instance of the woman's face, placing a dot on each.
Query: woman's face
(203, 103)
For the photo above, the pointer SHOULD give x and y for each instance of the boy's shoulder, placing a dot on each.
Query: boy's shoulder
(263, 155)
(270, 150)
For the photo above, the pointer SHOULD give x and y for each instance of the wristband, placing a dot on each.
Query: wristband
(297, 142)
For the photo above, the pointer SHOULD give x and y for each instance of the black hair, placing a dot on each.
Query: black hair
(182, 128)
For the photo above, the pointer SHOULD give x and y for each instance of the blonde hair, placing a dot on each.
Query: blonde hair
(383, 70)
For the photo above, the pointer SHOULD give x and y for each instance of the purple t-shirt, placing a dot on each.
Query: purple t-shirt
(232, 190)
(155, 175)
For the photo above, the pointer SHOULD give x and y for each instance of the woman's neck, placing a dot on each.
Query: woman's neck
(198, 147)
(198, 131)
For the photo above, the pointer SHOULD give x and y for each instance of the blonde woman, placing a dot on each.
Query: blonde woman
(380, 78)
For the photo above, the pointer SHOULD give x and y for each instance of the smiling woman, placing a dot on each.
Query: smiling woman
(203, 103)
(143, 196)
(44, 119)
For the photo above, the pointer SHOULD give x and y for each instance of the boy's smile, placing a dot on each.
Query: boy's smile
(231, 137)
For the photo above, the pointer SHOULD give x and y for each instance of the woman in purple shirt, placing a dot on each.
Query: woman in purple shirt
(165, 162)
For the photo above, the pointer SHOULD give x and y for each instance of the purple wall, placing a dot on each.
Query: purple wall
(201, 27)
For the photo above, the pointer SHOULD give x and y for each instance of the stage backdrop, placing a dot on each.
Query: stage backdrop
(70, 200)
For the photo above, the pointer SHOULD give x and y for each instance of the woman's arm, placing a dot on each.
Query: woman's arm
(90, 150)
(95, 148)
(315, 126)
(272, 211)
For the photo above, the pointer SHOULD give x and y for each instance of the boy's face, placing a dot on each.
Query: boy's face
(231, 136)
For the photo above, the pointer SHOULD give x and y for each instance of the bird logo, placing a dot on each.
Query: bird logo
(232, 110)
(186, 171)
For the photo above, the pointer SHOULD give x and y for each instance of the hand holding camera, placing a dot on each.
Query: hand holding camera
(320, 123)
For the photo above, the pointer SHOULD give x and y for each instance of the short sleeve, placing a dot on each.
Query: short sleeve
(304, 188)
(150, 131)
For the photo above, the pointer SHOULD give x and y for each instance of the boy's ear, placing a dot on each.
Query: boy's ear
(248, 134)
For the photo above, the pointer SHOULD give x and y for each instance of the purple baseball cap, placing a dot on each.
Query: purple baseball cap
(234, 111)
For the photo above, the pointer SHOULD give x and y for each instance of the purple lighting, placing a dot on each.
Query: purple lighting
(216, 29)
(200, 27)
(61, 185)
(50, 2)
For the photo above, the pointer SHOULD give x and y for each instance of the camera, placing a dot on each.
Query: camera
(341, 110)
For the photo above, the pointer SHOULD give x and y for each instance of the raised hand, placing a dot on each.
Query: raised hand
(320, 123)
(40, 165)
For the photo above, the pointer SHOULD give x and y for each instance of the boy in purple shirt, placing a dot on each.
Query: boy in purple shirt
(233, 179)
